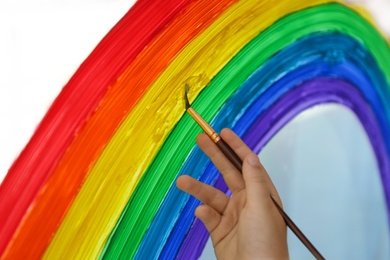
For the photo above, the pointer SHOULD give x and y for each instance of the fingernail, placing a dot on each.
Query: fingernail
(253, 160)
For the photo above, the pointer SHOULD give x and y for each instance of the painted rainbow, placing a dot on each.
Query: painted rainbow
(97, 178)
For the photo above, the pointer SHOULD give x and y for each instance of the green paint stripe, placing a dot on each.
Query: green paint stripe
(144, 203)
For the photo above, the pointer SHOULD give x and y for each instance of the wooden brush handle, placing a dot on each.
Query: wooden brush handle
(230, 154)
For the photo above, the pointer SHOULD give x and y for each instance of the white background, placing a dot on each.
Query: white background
(42, 43)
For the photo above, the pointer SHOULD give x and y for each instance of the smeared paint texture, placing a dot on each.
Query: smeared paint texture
(101, 184)
(261, 86)
(71, 109)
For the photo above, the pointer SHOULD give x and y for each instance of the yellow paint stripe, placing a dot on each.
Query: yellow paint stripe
(112, 180)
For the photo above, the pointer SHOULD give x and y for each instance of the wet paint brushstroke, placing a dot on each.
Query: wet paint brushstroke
(351, 72)
(315, 60)
(128, 153)
(161, 173)
(116, 173)
(76, 102)
(88, 143)
(313, 92)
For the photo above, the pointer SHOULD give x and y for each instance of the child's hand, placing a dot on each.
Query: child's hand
(247, 225)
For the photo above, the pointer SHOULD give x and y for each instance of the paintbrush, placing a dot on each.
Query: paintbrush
(237, 162)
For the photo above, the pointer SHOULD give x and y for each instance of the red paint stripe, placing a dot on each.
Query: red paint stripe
(37, 227)
(75, 104)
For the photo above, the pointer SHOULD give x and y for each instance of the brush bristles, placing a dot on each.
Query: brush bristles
(187, 88)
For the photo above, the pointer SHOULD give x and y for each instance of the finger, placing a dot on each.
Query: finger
(232, 177)
(235, 142)
(209, 216)
(256, 181)
(242, 150)
(272, 189)
(203, 192)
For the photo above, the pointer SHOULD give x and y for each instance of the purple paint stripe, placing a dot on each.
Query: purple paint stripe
(304, 96)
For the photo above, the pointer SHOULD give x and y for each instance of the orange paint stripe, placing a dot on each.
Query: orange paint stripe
(44, 217)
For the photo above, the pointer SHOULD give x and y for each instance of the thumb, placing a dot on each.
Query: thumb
(256, 179)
